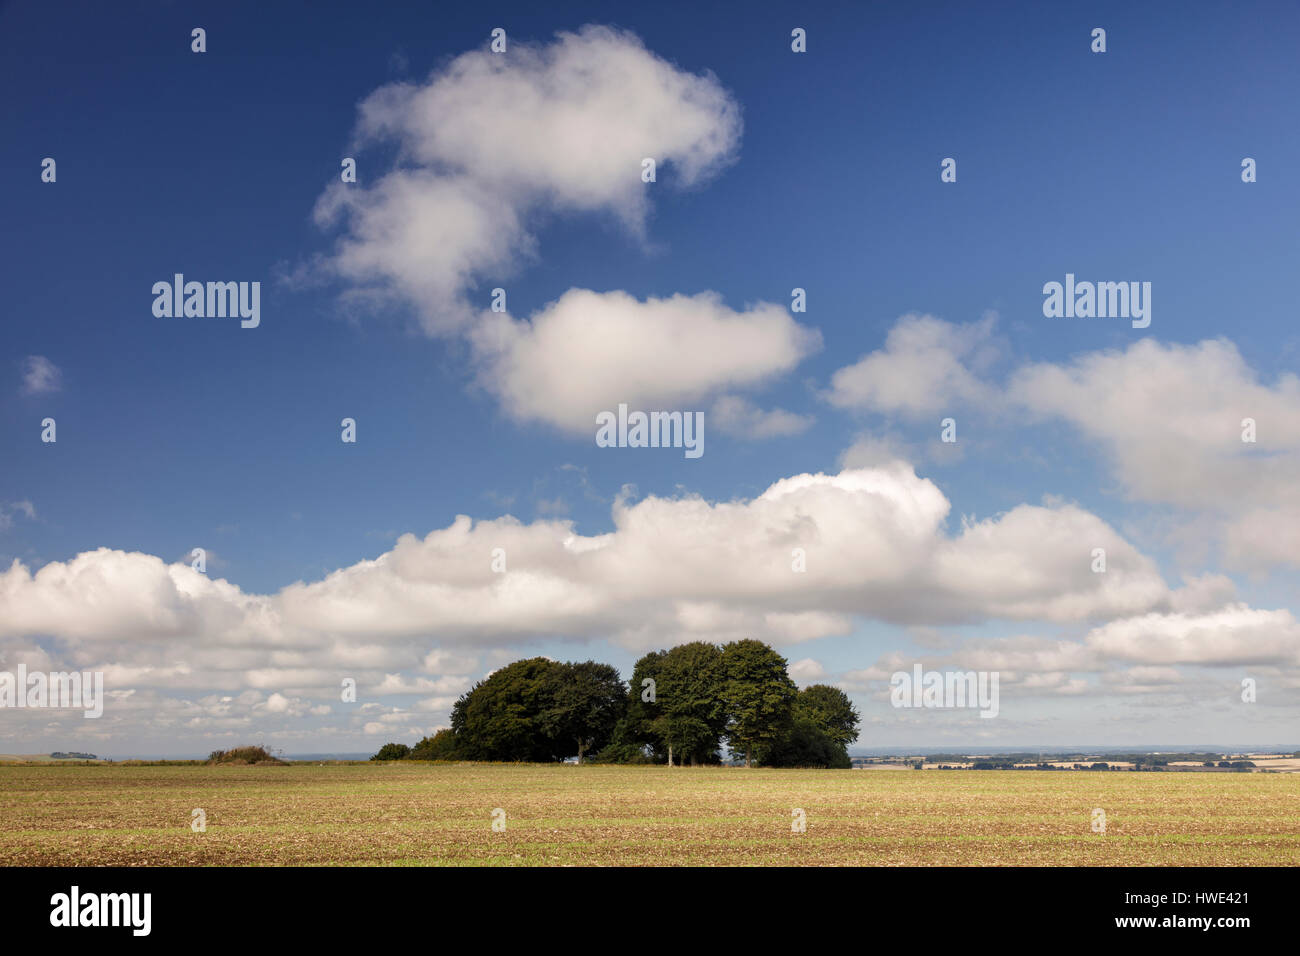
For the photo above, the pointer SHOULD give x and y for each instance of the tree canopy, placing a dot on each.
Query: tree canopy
(585, 702)
(759, 696)
(823, 723)
(680, 706)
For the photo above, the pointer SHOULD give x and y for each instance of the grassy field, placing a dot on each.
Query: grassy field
(38, 758)
(395, 814)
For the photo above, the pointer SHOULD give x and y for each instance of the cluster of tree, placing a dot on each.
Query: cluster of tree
(681, 706)
(535, 710)
(245, 755)
(684, 703)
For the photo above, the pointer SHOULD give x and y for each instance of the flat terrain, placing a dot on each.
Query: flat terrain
(33, 758)
(413, 813)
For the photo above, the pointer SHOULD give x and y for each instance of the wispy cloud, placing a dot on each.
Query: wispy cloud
(40, 376)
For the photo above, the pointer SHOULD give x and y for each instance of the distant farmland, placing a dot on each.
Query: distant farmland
(441, 814)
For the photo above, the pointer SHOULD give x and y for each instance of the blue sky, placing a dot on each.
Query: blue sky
(175, 433)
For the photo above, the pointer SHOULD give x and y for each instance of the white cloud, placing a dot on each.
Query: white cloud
(872, 451)
(1168, 416)
(1140, 655)
(874, 547)
(488, 147)
(588, 351)
(806, 671)
(489, 142)
(112, 595)
(733, 415)
(423, 237)
(924, 369)
(40, 376)
(1235, 634)
(416, 620)
(448, 662)
(7, 512)
(1171, 417)
(396, 684)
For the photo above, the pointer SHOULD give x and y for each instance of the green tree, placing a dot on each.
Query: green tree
(686, 717)
(584, 704)
(634, 734)
(823, 723)
(392, 752)
(692, 704)
(805, 744)
(830, 709)
(507, 716)
(758, 695)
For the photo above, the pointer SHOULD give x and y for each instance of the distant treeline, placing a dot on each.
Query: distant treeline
(62, 755)
(680, 707)
(1100, 765)
(1037, 757)
(1032, 761)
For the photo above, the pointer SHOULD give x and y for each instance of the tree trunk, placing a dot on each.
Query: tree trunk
(746, 758)
(581, 749)
(670, 755)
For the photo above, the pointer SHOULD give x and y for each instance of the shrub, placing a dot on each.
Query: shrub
(441, 746)
(244, 756)
(623, 752)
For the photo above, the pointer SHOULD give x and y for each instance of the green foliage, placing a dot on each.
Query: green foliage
(623, 751)
(692, 712)
(584, 704)
(635, 732)
(541, 711)
(759, 697)
(244, 755)
(441, 746)
(806, 744)
(823, 724)
(830, 709)
(687, 716)
(536, 710)
(506, 716)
